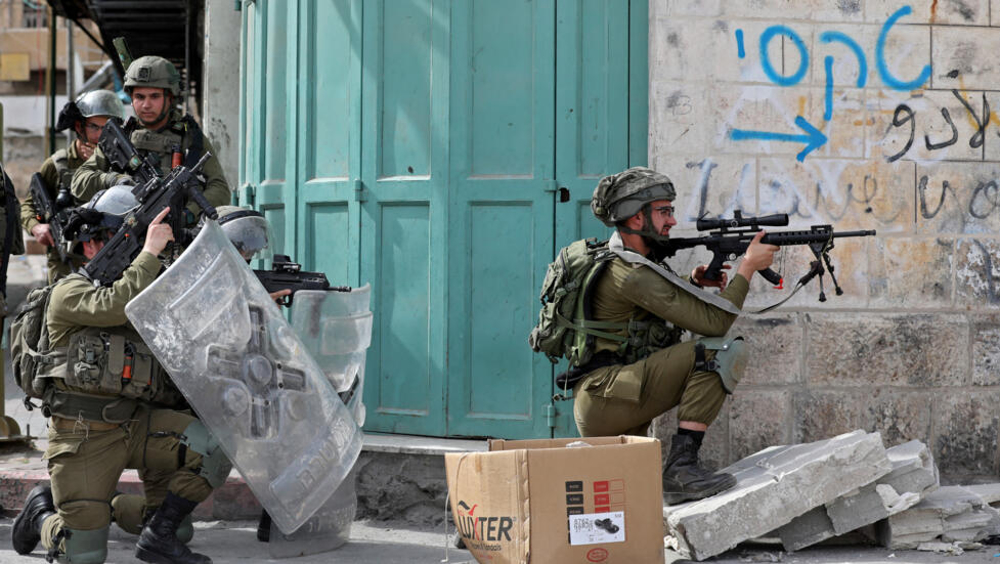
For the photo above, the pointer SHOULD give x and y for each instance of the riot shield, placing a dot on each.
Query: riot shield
(336, 329)
(328, 529)
(246, 374)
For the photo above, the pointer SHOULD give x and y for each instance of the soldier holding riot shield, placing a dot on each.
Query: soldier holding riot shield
(107, 397)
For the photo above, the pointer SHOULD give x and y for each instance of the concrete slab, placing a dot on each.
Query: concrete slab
(773, 487)
(913, 476)
(949, 514)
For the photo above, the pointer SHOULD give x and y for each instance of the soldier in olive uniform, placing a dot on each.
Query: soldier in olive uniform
(105, 393)
(86, 115)
(633, 379)
(159, 132)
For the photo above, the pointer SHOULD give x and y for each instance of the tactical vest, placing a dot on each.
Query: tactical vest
(159, 146)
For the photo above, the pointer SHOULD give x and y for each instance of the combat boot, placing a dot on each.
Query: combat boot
(264, 526)
(158, 542)
(27, 530)
(685, 479)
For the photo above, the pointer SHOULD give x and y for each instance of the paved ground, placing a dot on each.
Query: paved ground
(232, 542)
(236, 542)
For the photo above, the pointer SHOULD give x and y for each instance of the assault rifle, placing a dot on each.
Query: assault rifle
(153, 194)
(123, 155)
(732, 236)
(53, 212)
(288, 275)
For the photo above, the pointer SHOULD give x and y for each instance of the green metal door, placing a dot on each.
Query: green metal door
(501, 234)
(420, 146)
(404, 224)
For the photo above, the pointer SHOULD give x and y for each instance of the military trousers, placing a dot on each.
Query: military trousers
(624, 399)
(85, 465)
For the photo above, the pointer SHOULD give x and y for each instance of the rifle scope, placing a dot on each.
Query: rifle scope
(737, 221)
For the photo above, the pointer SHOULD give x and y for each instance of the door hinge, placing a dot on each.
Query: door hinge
(550, 415)
(359, 191)
(247, 195)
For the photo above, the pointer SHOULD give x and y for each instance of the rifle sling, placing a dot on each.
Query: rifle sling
(616, 246)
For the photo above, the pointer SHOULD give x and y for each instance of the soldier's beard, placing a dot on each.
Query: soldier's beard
(658, 247)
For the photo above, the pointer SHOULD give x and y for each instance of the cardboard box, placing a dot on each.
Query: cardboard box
(538, 501)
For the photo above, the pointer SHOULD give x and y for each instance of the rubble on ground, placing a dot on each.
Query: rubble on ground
(951, 514)
(807, 493)
(774, 486)
(913, 476)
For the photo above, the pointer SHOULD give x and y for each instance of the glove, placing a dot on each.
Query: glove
(116, 179)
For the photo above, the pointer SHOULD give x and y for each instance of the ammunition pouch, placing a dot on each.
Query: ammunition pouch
(729, 360)
(648, 336)
(105, 374)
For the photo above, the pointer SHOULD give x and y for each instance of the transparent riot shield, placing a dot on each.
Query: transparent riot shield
(247, 375)
(329, 528)
(336, 329)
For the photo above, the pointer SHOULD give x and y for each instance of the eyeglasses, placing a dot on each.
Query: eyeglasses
(665, 210)
(93, 127)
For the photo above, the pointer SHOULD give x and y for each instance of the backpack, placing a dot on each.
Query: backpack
(29, 341)
(564, 329)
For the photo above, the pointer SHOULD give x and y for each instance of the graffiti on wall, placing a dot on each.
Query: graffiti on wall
(811, 136)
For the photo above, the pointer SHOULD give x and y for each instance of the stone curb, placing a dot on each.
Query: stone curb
(232, 501)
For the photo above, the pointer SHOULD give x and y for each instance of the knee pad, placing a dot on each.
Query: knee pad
(730, 359)
(84, 547)
(127, 511)
(215, 466)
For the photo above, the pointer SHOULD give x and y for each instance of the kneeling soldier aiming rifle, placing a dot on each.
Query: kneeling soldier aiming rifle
(617, 314)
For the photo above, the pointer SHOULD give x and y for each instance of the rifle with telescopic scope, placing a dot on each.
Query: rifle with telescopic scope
(730, 238)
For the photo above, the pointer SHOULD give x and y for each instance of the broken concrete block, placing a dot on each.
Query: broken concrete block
(913, 476)
(773, 487)
(949, 514)
(989, 492)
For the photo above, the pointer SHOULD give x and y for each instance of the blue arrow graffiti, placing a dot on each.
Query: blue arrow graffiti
(813, 138)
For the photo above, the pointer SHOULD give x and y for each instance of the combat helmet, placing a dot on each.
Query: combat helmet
(620, 196)
(153, 72)
(248, 230)
(90, 104)
(102, 215)
(100, 103)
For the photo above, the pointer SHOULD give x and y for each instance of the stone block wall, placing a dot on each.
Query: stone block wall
(906, 94)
